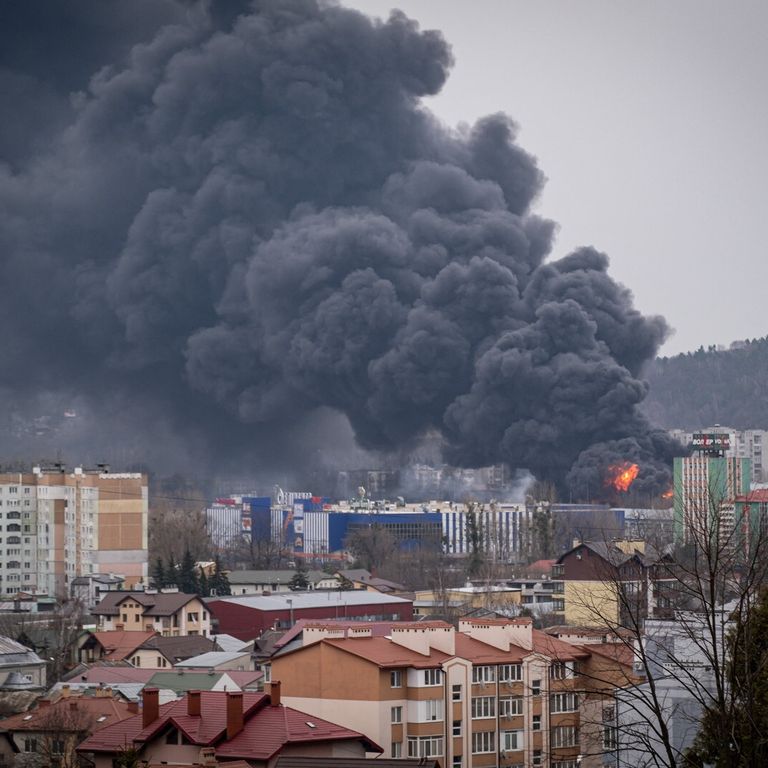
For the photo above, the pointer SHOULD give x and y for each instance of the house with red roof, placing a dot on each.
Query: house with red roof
(208, 727)
(494, 692)
(52, 730)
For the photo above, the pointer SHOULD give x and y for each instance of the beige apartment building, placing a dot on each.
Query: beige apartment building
(493, 693)
(59, 525)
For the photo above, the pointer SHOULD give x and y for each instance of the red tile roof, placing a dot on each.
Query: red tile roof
(755, 497)
(93, 707)
(266, 729)
(120, 644)
(385, 653)
(377, 628)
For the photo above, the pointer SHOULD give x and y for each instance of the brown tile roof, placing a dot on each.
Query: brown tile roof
(93, 707)
(155, 604)
(618, 652)
(266, 729)
(385, 653)
(180, 648)
(120, 644)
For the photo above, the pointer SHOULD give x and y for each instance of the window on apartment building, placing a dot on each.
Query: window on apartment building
(396, 715)
(511, 741)
(566, 764)
(536, 723)
(484, 741)
(433, 709)
(457, 727)
(433, 677)
(267, 668)
(510, 673)
(536, 757)
(456, 692)
(535, 687)
(484, 674)
(13, 489)
(26, 490)
(510, 706)
(396, 678)
(563, 702)
(483, 706)
(558, 670)
(610, 740)
(456, 761)
(425, 746)
(397, 749)
(565, 736)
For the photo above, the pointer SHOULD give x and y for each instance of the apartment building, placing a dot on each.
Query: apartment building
(57, 526)
(742, 444)
(492, 693)
(172, 614)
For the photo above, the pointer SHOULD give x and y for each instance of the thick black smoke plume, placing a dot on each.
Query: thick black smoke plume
(227, 216)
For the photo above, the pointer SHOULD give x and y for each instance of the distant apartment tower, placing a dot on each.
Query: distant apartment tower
(59, 526)
(743, 444)
(707, 484)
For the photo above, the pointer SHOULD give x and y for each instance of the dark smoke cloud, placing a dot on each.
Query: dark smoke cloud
(239, 214)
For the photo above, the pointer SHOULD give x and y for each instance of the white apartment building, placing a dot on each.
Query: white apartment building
(56, 526)
(745, 444)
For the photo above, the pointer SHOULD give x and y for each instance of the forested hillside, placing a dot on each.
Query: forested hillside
(697, 389)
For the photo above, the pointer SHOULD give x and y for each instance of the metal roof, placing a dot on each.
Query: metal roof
(213, 659)
(299, 600)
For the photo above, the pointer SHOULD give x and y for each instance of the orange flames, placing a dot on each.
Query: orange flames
(667, 494)
(621, 476)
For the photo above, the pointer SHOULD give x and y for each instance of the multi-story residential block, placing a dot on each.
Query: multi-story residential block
(742, 444)
(58, 526)
(706, 485)
(170, 613)
(495, 692)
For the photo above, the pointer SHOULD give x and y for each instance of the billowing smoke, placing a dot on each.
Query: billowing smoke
(231, 220)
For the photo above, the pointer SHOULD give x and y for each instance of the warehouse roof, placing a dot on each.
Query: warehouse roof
(299, 600)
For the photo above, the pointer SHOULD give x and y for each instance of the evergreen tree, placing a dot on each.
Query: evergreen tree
(188, 580)
(299, 581)
(218, 584)
(171, 573)
(158, 574)
(203, 584)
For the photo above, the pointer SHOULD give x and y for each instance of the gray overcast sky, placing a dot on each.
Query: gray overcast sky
(650, 120)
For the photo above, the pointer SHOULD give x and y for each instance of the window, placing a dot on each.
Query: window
(609, 737)
(30, 745)
(425, 746)
(509, 673)
(456, 692)
(536, 725)
(57, 746)
(558, 670)
(193, 617)
(457, 727)
(565, 764)
(485, 674)
(563, 702)
(565, 736)
(457, 761)
(433, 709)
(536, 757)
(535, 687)
(484, 741)
(511, 741)
(510, 705)
(433, 676)
(396, 678)
(397, 749)
(267, 672)
(396, 715)
(483, 706)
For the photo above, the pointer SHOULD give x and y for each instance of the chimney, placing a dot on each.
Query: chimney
(234, 714)
(119, 627)
(193, 703)
(73, 704)
(151, 706)
(133, 707)
(65, 690)
(274, 693)
(43, 703)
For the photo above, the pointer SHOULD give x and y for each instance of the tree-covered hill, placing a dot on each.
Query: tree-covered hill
(711, 386)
